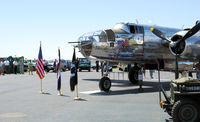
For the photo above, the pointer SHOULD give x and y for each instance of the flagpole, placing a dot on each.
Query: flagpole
(59, 75)
(41, 92)
(40, 66)
(77, 97)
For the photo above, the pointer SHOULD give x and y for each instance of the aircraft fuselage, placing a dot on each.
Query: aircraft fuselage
(132, 43)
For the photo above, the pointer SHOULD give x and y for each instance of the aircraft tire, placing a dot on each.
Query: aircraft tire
(105, 84)
(185, 111)
(133, 75)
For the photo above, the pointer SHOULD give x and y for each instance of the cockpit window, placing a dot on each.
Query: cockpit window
(102, 38)
(140, 29)
(133, 29)
(136, 29)
(99, 36)
(96, 38)
(81, 38)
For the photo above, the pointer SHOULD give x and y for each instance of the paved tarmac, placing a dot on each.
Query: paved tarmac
(20, 100)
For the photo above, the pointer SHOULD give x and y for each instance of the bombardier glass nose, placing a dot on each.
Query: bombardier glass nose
(86, 41)
(85, 45)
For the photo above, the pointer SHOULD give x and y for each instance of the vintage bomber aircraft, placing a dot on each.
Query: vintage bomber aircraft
(135, 43)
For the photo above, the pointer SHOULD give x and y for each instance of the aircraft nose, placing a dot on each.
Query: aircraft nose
(85, 45)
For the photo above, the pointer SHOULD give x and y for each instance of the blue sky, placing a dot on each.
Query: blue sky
(24, 23)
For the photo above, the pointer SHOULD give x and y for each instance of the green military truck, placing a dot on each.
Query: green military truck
(84, 64)
(183, 102)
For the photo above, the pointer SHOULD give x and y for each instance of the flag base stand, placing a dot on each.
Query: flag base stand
(41, 92)
(59, 93)
(77, 98)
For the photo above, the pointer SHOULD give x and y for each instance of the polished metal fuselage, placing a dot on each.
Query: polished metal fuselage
(142, 48)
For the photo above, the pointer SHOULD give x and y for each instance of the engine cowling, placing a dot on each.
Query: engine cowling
(180, 47)
(188, 49)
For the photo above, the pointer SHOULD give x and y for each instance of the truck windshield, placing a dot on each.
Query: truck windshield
(84, 60)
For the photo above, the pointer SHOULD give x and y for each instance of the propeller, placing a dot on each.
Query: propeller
(190, 33)
(159, 34)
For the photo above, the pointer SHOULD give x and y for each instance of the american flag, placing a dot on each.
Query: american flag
(59, 72)
(40, 66)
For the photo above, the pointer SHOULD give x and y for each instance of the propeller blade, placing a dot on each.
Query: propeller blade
(159, 34)
(192, 31)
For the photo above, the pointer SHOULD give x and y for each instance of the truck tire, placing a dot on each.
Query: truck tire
(185, 110)
(105, 84)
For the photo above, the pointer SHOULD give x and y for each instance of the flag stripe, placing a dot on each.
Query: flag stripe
(40, 66)
(40, 71)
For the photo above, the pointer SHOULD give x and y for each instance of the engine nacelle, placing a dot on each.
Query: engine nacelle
(188, 49)
(180, 47)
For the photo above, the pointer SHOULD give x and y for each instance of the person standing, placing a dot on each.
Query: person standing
(30, 66)
(21, 67)
(1, 67)
(197, 66)
(54, 65)
(97, 66)
(190, 74)
(45, 65)
(7, 66)
(151, 73)
(15, 64)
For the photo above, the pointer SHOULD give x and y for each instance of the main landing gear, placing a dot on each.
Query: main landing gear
(105, 82)
(133, 74)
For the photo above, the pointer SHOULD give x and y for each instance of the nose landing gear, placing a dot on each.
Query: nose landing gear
(134, 75)
(105, 84)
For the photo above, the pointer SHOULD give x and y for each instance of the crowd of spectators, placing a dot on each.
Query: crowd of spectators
(7, 67)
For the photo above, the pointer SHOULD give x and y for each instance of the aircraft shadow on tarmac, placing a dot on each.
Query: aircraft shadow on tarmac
(148, 87)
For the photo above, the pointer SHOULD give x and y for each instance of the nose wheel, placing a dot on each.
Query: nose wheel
(105, 84)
